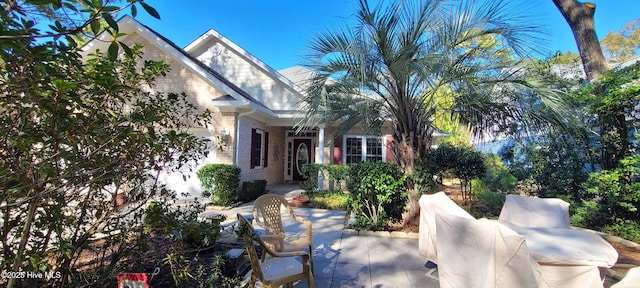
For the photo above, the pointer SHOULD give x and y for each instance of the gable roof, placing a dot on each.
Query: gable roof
(207, 36)
(235, 96)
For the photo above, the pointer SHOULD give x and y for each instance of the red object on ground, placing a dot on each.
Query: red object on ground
(132, 280)
(299, 200)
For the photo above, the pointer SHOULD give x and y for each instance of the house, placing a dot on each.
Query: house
(255, 109)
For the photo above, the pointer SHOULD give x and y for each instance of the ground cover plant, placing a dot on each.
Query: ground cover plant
(328, 200)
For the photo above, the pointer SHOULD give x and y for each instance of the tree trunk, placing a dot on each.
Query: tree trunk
(579, 16)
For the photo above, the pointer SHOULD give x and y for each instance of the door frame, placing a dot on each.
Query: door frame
(290, 136)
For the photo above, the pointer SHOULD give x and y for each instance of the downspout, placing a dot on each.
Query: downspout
(237, 154)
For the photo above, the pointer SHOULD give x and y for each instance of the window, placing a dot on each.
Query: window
(259, 148)
(363, 148)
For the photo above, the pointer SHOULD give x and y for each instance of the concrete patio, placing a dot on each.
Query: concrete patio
(346, 260)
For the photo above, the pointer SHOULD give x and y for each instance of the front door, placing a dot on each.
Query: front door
(301, 156)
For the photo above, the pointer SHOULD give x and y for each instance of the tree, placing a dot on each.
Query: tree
(614, 100)
(400, 62)
(568, 57)
(579, 16)
(78, 133)
(625, 44)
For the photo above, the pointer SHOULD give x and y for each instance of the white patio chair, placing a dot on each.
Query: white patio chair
(267, 213)
(280, 268)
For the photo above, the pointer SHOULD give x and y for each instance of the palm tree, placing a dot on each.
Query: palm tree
(403, 63)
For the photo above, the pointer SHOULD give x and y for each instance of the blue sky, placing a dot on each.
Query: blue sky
(277, 31)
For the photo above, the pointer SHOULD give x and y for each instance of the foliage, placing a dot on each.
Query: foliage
(182, 225)
(333, 172)
(487, 203)
(377, 192)
(398, 63)
(251, 190)
(310, 174)
(423, 177)
(613, 99)
(188, 246)
(76, 133)
(464, 162)
(338, 174)
(568, 57)
(220, 182)
(623, 45)
(551, 167)
(328, 200)
(497, 178)
(612, 198)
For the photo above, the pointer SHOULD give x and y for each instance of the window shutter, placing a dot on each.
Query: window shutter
(266, 148)
(389, 147)
(254, 136)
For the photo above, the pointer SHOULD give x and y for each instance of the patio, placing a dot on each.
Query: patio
(346, 260)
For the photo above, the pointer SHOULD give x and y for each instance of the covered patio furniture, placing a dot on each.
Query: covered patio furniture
(568, 257)
(427, 234)
(631, 280)
(535, 212)
(278, 269)
(429, 206)
(483, 253)
(268, 213)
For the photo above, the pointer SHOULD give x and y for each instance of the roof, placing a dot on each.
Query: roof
(237, 95)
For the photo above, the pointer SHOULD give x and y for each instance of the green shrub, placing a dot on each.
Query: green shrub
(337, 173)
(251, 190)
(333, 172)
(487, 203)
(498, 178)
(182, 225)
(423, 176)
(310, 174)
(220, 182)
(611, 199)
(377, 192)
(464, 162)
(627, 229)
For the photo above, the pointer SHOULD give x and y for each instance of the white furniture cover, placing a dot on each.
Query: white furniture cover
(483, 253)
(568, 257)
(535, 212)
(631, 280)
(429, 206)
(550, 238)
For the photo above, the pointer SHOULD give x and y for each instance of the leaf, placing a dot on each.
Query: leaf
(95, 26)
(70, 6)
(134, 11)
(152, 11)
(109, 19)
(126, 49)
(111, 112)
(71, 42)
(113, 51)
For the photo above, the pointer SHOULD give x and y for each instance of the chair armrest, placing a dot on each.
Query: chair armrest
(275, 241)
(278, 239)
(303, 254)
(307, 225)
